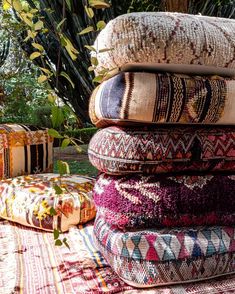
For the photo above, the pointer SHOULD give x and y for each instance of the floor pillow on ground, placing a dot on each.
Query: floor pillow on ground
(33, 201)
(117, 150)
(24, 150)
(139, 201)
(159, 98)
(174, 42)
(160, 257)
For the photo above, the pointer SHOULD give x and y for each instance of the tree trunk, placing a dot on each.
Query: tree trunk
(177, 5)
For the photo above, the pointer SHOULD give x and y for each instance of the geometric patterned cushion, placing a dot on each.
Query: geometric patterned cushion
(159, 257)
(178, 149)
(140, 98)
(138, 201)
(28, 200)
(200, 43)
(24, 150)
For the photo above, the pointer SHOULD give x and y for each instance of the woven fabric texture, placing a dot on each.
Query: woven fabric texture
(139, 201)
(164, 38)
(159, 257)
(28, 200)
(24, 150)
(141, 98)
(116, 150)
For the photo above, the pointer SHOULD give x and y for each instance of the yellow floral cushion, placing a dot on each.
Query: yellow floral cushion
(34, 200)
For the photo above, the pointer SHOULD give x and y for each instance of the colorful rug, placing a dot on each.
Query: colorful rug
(138, 201)
(165, 149)
(141, 97)
(195, 43)
(30, 263)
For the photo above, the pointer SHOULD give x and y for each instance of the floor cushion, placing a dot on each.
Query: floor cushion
(24, 150)
(139, 201)
(118, 150)
(166, 41)
(28, 200)
(160, 257)
(137, 98)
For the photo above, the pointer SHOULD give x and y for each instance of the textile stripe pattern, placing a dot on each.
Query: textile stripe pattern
(117, 150)
(154, 258)
(24, 150)
(168, 38)
(140, 201)
(28, 200)
(164, 98)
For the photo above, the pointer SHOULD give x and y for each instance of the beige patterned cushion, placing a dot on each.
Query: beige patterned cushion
(28, 200)
(169, 41)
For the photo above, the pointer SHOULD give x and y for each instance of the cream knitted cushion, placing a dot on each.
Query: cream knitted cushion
(170, 42)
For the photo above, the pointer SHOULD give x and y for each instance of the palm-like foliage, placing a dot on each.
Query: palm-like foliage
(76, 20)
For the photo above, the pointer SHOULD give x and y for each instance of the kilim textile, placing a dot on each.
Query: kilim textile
(138, 201)
(117, 150)
(141, 98)
(170, 41)
(29, 199)
(160, 257)
(24, 150)
(31, 263)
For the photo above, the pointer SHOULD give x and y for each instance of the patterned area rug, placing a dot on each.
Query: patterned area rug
(30, 263)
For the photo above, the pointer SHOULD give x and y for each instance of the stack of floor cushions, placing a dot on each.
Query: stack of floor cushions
(166, 151)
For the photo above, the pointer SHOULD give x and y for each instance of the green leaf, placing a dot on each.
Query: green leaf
(60, 24)
(17, 5)
(105, 50)
(57, 189)
(91, 48)
(58, 242)
(45, 70)
(94, 61)
(51, 98)
(98, 4)
(68, 2)
(98, 79)
(89, 12)
(63, 167)
(66, 243)
(69, 47)
(57, 116)
(38, 25)
(100, 25)
(34, 55)
(42, 79)
(38, 46)
(53, 133)
(65, 143)
(87, 30)
(6, 4)
(65, 75)
(53, 211)
(56, 234)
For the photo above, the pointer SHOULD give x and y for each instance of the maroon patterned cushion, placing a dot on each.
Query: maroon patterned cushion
(138, 201)
(117, 150)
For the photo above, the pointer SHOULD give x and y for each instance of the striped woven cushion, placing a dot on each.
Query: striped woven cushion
(159, 98)
(168, 41)
(159, 257)
(139, 201)
(28, 200)
(116, 150)
(24, 150)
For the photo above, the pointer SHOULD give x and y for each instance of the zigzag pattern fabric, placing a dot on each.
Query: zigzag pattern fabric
(192, 43)
(165, 98)
(140, 201)
(116, 150)
(155, 258)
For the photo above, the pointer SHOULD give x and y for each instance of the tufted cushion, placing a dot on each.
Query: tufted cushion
(24, 150)
(160, 257)
(159, 98)
(116, 150)
(28, 200)
(139, 201)
(168, 41)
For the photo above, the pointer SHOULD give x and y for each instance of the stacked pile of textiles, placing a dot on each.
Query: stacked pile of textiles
(165, 195)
